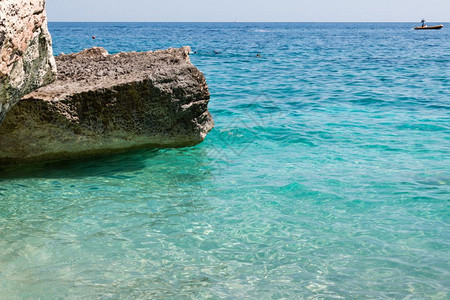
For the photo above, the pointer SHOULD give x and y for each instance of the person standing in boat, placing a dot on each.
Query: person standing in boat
(423, 23)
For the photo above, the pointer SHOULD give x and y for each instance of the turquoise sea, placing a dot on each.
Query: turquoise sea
(327, 175)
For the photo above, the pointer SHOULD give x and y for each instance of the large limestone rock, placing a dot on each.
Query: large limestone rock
(105, 103)
(26, 58)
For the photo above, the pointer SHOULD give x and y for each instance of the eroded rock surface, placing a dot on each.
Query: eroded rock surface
(105, 103)
(26, 57)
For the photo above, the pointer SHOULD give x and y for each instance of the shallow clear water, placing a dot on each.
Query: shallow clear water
(327, 175)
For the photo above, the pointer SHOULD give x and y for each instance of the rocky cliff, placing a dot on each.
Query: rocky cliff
(104, 103)
(26, 58)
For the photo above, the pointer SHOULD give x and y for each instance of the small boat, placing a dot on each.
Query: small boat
(437, 27)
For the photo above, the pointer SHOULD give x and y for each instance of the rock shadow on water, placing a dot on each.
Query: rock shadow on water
(113, 165)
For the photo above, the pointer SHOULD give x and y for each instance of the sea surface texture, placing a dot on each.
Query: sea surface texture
(327, 175)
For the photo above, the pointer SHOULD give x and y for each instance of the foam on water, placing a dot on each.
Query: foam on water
(327, 175)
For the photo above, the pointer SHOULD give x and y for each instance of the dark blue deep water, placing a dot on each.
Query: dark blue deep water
(327, 175)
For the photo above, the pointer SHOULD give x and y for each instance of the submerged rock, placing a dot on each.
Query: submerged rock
(105, 103)
(26, 57)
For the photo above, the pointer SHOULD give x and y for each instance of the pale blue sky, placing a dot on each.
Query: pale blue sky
(249, 10)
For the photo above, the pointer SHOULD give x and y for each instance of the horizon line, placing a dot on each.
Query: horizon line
(368, 22)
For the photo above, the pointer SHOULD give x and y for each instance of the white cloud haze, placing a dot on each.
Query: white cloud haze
(249, 10)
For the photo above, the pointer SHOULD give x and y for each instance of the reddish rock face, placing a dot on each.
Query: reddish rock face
(26, 57)
(105, 103)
